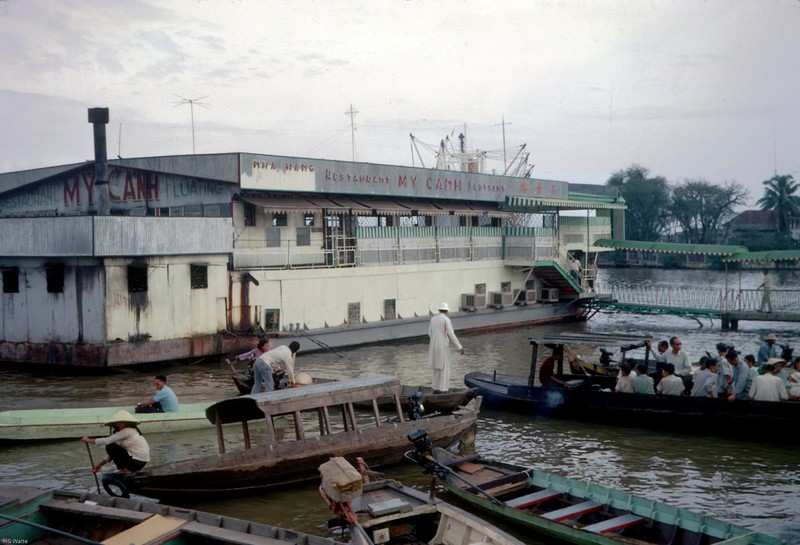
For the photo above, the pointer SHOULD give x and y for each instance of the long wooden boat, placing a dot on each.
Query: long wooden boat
(34, 516)
(433, 401)
(49, 424)
(591, 398)
(387, 513)
(579, 512)
(301, 429)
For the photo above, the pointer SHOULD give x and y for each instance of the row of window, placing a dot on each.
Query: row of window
(137, 278)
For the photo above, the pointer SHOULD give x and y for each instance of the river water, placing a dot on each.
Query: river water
(756, 485)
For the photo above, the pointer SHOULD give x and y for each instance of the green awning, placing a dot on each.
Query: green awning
(670, 247)
(539, 203)
(773, 255)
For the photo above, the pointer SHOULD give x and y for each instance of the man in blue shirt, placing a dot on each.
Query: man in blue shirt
(163, 401)
(768, 349)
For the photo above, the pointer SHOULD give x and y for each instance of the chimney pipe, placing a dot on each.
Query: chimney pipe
(98, 117)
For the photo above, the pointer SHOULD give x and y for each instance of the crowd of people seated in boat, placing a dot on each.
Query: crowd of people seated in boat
(728, 375)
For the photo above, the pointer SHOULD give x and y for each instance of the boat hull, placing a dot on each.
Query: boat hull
(648, 522)
(261, 468)
(743, 419)
(90, 515)
(51, 424)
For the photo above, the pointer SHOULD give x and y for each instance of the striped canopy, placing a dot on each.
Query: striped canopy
(670, 247)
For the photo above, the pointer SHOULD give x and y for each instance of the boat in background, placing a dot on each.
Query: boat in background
(299, 429)
(387, 513)
(591, 398)
(35, 516)
(50, 424)
(577, 511)
(433, 401)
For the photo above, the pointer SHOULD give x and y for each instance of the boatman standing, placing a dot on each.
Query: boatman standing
(442, 335)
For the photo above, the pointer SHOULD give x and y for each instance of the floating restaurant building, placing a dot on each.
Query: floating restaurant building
(127, 261)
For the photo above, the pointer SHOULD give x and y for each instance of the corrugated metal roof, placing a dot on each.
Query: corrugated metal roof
(772, 255)
(540, 203)
(669, 247)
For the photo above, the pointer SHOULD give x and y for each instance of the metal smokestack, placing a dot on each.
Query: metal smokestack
(98, 117)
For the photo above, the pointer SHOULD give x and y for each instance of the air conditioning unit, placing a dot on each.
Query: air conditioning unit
(473, 301)
(500, 299)
(525, 298)
(548, 295)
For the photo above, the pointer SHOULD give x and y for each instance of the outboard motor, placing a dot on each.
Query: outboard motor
(415, 409)
(786, 353)
(605, 357)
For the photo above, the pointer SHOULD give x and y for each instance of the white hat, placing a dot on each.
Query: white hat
(772, 337)
(122, 416)
(773, 361)
(303, 378)
(443, 306)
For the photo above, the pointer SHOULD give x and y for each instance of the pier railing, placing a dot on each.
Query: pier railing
(694, 300)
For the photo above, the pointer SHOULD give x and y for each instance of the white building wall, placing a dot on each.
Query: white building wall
(170, 308)
(36, 316)
(314, 297)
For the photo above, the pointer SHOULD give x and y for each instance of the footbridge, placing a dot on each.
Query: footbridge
(730, 306)
(727, 304)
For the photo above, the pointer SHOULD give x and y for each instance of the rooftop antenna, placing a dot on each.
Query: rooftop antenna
(505, 160)
(352, 113)
(191, 102)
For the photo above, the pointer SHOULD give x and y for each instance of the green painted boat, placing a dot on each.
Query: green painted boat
(577, 511)
(34, 516)
(50, 424)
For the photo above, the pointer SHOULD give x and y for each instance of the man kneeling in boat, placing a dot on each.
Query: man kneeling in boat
(277, 359)
(163, 401)
(126, 447)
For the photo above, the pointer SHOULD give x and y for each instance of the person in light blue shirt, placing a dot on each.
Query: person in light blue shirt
(705, 381)
(768, 349)
(741, 376)
(163, 401)
(643, 384)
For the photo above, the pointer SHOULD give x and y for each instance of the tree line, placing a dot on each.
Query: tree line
(696, 211)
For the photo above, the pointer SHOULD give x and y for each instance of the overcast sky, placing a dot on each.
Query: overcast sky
(686, 88)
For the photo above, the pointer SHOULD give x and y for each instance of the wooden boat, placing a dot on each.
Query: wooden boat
(48, 424)
(579, 512)
(591, 398)
(388, 513)
(301, 428)
(443, 402)
(56, 515)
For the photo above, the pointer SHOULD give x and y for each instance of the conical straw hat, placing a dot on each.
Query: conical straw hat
(122, 416)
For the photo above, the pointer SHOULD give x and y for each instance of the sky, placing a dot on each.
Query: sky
(688, 89)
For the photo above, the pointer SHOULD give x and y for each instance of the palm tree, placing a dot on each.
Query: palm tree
(779, 197)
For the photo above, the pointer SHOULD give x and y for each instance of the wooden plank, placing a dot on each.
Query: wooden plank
(156, 527)
(470, 467)
(532, 499)
(78, 508)
(224, 535)
(614, 525)
(573, 511)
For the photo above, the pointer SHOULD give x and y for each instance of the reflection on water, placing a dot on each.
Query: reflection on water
(752, 484)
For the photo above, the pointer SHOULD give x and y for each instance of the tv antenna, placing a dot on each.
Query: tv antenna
(352, 113)
(191, 102)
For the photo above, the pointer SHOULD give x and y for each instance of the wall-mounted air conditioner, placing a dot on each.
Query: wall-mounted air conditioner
(525, 298)
(548, 295)
(499, 299)
(473, 301)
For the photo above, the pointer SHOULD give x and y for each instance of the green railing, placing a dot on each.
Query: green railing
(702, 299)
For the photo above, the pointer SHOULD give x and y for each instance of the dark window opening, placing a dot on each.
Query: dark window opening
(308, 220)
(137, 278)
(55, 278)
(199, 276)
(11, 280)
(279, 219)
(249, 214)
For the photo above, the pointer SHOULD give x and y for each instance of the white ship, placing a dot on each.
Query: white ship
(127, 261)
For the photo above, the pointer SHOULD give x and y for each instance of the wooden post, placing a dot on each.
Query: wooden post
(246, 432)
(398, 407)
(220, 439)
(376, 412)
(534, 355)
(299, 432)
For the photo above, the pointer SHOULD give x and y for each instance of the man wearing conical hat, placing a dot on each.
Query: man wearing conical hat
(442, 335)
(126, 447)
